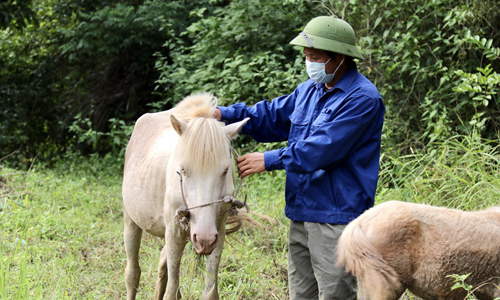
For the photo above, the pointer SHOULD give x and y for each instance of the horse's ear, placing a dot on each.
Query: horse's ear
(179, 125)
(232, 130)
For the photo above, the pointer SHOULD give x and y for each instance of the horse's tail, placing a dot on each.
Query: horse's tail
(364, 261)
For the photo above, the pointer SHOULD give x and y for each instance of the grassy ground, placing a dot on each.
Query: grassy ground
(61, 229)
(61, 233)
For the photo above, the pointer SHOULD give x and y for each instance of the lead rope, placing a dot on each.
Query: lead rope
(241, 179)
(233, 210)
(182, 213)
(182, 190)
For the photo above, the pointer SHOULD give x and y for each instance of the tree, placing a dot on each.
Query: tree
(435, 64)
(239, 51)
(16, 14)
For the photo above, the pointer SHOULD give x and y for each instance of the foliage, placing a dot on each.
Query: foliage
(240, 52)
(75, 75)
(460, 283)
(435, 62)
(111, 52)
(89, 59)
(31, 115)
(461, 172)
(16, 14)
(116, 138)
(419, 53)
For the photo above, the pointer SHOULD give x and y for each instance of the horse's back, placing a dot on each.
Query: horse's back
(429, 230)
(424, 244)
(148, 131)
(147, 154)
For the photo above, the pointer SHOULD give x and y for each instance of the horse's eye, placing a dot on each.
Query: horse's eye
(225, 171)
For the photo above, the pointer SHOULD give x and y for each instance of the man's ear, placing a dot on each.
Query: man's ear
(179, 125)
(232, 130)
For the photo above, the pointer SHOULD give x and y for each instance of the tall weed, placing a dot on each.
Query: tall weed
(461, 172)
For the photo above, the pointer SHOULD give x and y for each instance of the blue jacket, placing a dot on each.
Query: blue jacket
(332, 156)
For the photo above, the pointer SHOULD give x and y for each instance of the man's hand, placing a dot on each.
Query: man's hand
(251, 163)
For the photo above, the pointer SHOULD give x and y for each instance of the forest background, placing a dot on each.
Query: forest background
(75, 75)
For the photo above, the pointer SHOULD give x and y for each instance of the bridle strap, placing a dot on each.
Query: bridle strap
(182, 190)
(225, 199)
(241, 179)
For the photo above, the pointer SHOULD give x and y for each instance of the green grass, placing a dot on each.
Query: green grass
(462, 172)
(61, 238)
(61, 228)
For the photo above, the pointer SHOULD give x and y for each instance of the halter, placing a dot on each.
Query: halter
(182, 213)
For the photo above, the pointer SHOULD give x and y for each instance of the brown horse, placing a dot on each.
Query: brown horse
(397, 246)
(177, 184)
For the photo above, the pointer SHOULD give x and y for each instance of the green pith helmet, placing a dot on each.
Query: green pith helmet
(330, 34)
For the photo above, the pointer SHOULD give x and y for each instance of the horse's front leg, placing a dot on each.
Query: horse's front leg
(211, 291)
(167, 284)
(161, 281)
(132, 240)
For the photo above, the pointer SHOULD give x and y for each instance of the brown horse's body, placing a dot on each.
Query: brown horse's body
(165, 153)
(397, 246)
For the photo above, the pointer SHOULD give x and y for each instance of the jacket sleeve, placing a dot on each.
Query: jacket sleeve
(332, 141)
(269, 121)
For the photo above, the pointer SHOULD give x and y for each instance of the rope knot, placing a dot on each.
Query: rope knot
(182, 219)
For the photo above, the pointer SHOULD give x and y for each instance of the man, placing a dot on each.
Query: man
(333, 124)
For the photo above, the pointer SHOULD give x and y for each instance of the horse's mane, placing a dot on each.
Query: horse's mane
(203, 144)
(196, 105)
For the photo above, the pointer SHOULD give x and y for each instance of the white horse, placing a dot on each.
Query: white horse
(178, 169)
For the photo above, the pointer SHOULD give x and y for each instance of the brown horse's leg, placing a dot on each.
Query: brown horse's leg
(367, 291)
(132, 239)
(362, 292)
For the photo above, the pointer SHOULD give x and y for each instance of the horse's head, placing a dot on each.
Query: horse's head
(205, 167)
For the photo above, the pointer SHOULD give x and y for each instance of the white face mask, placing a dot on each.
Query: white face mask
(316, 71)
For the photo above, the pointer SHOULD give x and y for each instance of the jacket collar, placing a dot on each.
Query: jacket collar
(344, 82)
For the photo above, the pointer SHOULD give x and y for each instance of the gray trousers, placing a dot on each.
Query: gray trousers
(312, 273)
